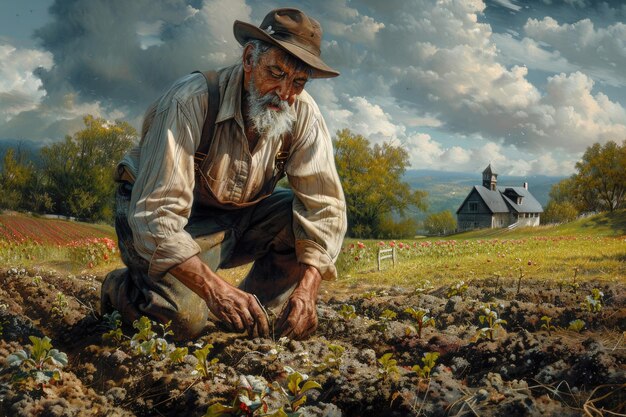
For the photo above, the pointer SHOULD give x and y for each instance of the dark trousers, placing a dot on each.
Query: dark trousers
(261, 234)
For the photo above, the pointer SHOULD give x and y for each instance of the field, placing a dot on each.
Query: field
(488, 323)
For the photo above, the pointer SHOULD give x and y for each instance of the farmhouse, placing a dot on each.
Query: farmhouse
(490, 206)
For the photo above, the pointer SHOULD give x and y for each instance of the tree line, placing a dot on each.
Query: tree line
(71, 178)
(598, 185)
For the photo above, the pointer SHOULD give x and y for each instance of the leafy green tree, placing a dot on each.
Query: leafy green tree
(559, 212)
(600, 183)
(440, 223)
(15, 176)
(79, 170)
(371, 177)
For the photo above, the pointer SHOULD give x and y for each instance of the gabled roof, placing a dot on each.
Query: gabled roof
(529, 202)
(497, 202)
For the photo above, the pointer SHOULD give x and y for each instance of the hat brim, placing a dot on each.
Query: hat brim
(244, 32)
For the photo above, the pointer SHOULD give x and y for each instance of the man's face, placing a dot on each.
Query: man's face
(275, 75)
(272, 85)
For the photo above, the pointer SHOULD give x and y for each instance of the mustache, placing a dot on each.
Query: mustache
(273, 100)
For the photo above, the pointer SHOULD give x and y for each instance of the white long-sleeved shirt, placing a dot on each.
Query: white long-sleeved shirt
(162, 167)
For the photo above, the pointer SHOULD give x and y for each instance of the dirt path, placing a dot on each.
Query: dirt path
(524, 370)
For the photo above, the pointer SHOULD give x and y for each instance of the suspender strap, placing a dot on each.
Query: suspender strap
(208, 128)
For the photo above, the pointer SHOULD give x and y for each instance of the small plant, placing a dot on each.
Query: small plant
(428, 363)
(421, 317)
(37, 279)
(113, 322)
(333, 359)
(576, 325)
(254, 394)
(178, 354)
(593, 302)
(426, 286)
(347, 312)
(491, 320)
(547, 324)
(386, 317)
(59, 306)
(39, 365)
(146, 342)
(387, 366)
(205, 367)
(368, 295)
(460, 289)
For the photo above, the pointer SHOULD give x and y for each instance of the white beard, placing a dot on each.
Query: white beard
(265, 121)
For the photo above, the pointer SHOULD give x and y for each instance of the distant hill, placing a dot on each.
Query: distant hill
(447, 190)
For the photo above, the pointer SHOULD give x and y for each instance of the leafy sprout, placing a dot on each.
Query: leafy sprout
(428, 363)
(40, 364)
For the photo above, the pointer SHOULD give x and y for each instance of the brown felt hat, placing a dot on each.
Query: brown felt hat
(294, 32)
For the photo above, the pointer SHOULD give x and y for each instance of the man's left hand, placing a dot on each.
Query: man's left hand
(299, 318)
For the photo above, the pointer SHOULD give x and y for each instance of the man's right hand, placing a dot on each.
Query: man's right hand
(237, 309)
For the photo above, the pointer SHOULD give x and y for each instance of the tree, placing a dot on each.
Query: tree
(600, 183)
(79, 170)
(440, 223)
(372, 182)
(15, 177)
(559, 212)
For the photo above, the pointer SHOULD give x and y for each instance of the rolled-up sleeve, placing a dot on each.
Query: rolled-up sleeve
(319, 208)
(163, 191)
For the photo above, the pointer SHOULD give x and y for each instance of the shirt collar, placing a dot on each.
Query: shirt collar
(231, 82)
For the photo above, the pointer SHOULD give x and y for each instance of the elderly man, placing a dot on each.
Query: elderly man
(197, 194)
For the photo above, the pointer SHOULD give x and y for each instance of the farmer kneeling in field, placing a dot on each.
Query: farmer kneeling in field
(197, 194)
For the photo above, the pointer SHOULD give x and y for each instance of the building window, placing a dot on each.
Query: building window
(473, 206)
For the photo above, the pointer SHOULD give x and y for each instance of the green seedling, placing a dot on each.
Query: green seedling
(576, 325)
(332, 360)
(386, 317)
(427, 286)
(59, 305)
(113, 322)
(37, 279)
(146, 342)
(40, 365)
(421, 317)
(387, 366)
(297, 394)
(178, 354)
(368, 295)
(460, 289)
(547, 325)
(489, 317)
(205, 367)
(347, 312)
(593, 302)
(428, 363)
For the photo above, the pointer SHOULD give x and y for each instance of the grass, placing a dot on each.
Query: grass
(595, 246)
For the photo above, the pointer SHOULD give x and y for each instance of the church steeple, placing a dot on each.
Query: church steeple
(490, 178)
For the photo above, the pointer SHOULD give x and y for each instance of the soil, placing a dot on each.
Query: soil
(524, 371)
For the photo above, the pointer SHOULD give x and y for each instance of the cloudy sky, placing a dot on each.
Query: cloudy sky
(525, 85)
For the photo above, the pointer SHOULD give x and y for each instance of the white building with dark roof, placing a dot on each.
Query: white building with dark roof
(490, 206)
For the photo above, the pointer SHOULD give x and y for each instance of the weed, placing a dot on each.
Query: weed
(113, 322)
(39, 365)
(576, 325)
(428, 363)
(421, 317)
(491, 320)
(178, 354)
(347, 312)
(547, 324)
(593, 302)
(387, 366)
(368, 295)
(37, 279)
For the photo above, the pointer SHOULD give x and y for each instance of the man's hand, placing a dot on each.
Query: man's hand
(299, 318)
(237, 309)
